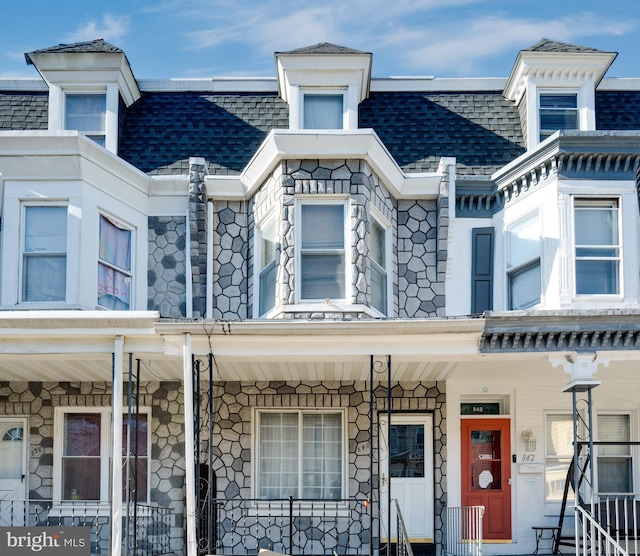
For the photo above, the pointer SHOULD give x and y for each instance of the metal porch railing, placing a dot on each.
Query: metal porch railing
(291, 526)
(592, 539)
(404, 545)
(619, 516)
(154, 524)
(463, 530)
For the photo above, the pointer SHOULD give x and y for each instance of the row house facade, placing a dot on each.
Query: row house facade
(259, 313)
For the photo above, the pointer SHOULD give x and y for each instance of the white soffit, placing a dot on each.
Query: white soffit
(362, 144)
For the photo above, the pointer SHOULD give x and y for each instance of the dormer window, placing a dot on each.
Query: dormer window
(558, 111)
(86, 114)
(323, 111)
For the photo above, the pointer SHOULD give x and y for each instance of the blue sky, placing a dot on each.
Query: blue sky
(204, 38)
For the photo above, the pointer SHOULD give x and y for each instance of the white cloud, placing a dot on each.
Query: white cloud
(111, 28)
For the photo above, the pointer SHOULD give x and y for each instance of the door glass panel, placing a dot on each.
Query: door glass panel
(11, 449)
(406, 450)
(486, 460)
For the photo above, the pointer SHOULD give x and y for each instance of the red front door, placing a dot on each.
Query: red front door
(486, 473)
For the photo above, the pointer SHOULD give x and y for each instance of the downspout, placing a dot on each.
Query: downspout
(209, 294)
(189, 449)
(116, 447)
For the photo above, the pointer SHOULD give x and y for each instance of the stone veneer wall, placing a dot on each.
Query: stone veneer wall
(166, 277)
(235, 403)
(230, 239)
(36, 401)
(352, 178)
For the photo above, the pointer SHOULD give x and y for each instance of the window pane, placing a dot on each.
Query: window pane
(137, 439)
(323, 276)
(525, 286)
(114, 289)
(378, 288)
(44, 259)
(322, 226)
(596, 277)
(323, 112)
(559, 100)
(85, 112)
(81, 456)
(378, 243)
(115, 244)
(596, 225)
(81, 478)
(278, 455)
(322, 456)
(558, 111)
(523, 239)
(559, 453)
(268, 288)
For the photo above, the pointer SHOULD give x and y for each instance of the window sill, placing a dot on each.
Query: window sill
(322, 307)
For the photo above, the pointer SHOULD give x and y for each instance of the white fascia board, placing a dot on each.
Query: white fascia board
(619, 84)
(362, 144)
(77, 319)
(437, 84)
(66, 155)
(211, 85)
(168, 195)
(26, 84)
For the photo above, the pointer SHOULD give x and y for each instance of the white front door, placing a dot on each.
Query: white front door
(13, 470)
(406, 467)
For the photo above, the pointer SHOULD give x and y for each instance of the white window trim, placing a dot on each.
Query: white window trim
(325, 200)
(585, 101)
(265, 222)
(508, 271)
(328, 92)
(255, 471)
(57, 108)
(21, 246)
(621, 257)
(377, 216)
(132, 247)
(105, 443)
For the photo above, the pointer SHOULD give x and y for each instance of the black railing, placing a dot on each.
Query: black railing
(154, 524)
(292, 526)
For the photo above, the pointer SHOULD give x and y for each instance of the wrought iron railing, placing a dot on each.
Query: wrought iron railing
(150, 535)
(463, 530)
(404, 545)
(291, 526)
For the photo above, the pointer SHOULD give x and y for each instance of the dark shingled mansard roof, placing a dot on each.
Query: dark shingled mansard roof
(546, 45)
(324, 48)
(162, 130)
(97, 45)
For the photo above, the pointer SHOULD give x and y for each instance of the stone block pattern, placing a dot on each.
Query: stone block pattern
(37, 401)
(198, 235)
(166, 277)
(230, 244)
(421, 294)
(352, 179)
(235, 404)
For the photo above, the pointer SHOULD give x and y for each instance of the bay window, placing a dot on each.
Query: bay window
(322, 251)
(86, 113)
(300, 454)
(523, 262)
(597, 246)
(378, 259)
(267, 267)
(84, 438)
(44, 257)
(114, 265)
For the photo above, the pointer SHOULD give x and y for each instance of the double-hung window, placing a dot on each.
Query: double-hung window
(523, 262)
(322, 251)
(323, 111)
(114, 265)
(614, 461)
(86, 113)
(558, 453)
(558, 111)
(85, 454)
(44, 256)
(597, 246)
(378, 259)
(300, 454)
(267, 267)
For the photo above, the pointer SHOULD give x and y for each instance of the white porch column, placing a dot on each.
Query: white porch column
(116, 448)
(189, 449)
